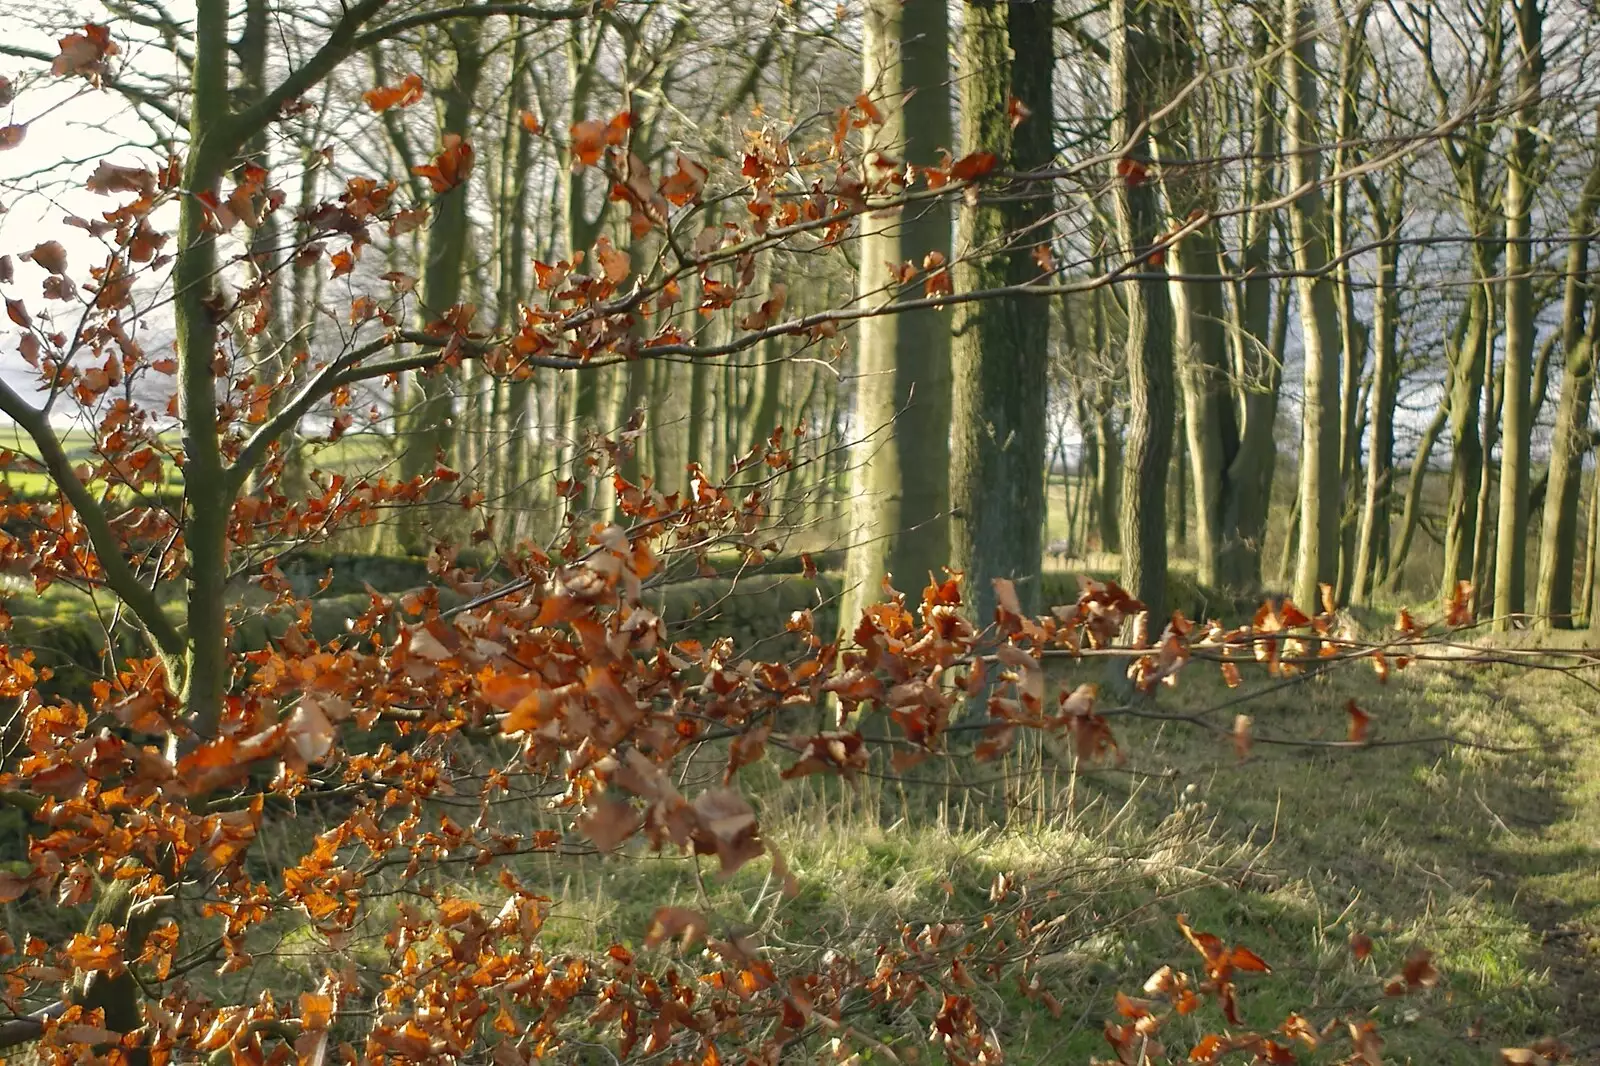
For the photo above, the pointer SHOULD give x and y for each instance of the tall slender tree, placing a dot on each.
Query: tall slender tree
(1137, 33)
(1511, 560)
(1571, 440)
(1320, 498)
(428, 422)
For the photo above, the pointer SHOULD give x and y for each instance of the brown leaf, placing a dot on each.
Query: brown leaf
(869, 112)
(84, 53)
(973, 166)
(669, 923)
(12, 887)
(1017, 111)
(684, 183)
(49, 255)
(769, 310)
(609, 823)
(450, 167)
(408, 92)
(613, 261)
(1241, 736)
(1360, 722)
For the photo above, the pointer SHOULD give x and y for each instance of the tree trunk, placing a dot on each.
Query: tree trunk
(1482, 575)
(899, 520)
(1137, 88)
(1257, 355)
(1320, 495)
(1373, 537)
(1353, 337)
(1210, 422)
(1413, 503)
(1511, 562)
(1001, 350)
(1591, 548)
(426, 431)
(1570, 443)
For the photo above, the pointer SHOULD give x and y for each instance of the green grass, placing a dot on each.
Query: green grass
(1486, 858)
(1489, 858)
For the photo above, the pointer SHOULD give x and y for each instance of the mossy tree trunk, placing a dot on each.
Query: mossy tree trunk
(1257, 357)
(1511, 559)
(1372, 540)
(1001, 349)
(426, 425)
(1571, 441)
(900, 451)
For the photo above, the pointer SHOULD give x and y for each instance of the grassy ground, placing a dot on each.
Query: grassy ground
(1490, 858)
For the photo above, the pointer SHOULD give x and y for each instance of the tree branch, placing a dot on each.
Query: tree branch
(133, 93)
(120, 577)
(428, 18)
(349, 369)
(29, 1027)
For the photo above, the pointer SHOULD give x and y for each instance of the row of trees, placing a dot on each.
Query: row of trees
(571, 268)
(1386, 205)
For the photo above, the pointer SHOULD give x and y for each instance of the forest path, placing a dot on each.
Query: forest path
(1484, 850)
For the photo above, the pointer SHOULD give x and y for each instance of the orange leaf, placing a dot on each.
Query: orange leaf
(1241, 736)
(972, 166)
(408, 92)
(450, 167)
(869, 112)
(1360, 722)
(588, 140)
(1017, 111)
(612, 261)
(684, 183)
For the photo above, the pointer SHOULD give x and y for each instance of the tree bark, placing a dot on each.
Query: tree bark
(1511, 561)
(1320, 495)
(1137, 88)
(1570, 442)
(1001, 348)
(1257, 371)
(1372, 539)
(426, 429)
(1412, 508)
(900, 498)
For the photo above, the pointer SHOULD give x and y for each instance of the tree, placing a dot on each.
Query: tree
(1138, 84)
(1320, 500)
(900, 490)
(1570, 441)
(1001, 349)
(1512, 558)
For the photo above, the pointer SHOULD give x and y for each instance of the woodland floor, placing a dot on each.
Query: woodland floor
(1491, 858)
